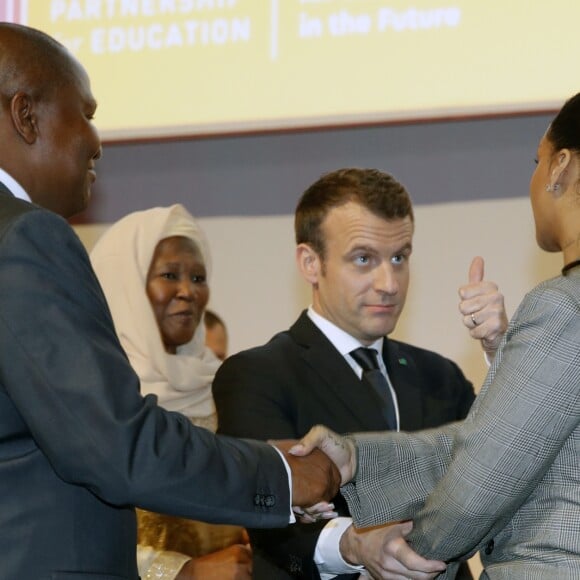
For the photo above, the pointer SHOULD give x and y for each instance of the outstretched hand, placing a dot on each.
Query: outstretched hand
(315, 477)
(340, 449)
(386, 555)
(482, 306)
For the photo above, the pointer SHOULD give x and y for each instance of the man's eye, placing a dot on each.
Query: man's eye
(398, 259)
(169, 276)
(198, 279)
(362, 260)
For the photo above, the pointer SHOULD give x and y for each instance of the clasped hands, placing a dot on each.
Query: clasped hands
(382, 550)
(315, 476)
(333, 455)
(327, 455)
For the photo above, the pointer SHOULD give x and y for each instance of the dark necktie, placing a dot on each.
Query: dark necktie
(367, 359)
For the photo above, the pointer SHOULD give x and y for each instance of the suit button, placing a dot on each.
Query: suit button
(258, 500)
(270, 501)
(489, 547)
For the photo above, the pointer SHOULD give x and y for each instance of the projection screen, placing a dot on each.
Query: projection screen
(191, 67)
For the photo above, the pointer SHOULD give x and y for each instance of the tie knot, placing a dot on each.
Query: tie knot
(367, 358)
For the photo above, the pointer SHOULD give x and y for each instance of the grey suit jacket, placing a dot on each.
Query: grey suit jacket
(297, 380)
(79, 446)
(507, 479)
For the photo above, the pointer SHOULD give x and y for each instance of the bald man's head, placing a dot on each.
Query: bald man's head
(31, 61)
(47, 140)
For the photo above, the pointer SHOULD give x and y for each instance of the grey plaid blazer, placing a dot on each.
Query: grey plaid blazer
(506, 480)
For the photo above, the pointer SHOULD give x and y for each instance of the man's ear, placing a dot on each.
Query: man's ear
(309, 263)
(24, 117)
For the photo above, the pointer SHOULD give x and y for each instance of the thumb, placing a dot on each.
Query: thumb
(476, 270)
(309, 442)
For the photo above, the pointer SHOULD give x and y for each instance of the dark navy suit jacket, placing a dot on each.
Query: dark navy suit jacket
(79, 446)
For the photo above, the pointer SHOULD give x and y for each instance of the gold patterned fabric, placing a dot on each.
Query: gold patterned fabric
(188, 537)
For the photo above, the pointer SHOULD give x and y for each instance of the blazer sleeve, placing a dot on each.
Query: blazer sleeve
(250, 394)
(463, 483)
(64, 370)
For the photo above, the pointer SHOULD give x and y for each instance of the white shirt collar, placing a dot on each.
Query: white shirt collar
(341, 340)
(345, 343)
(15, 188)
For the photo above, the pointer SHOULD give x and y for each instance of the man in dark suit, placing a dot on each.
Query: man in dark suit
(354, 232)
(79, 446)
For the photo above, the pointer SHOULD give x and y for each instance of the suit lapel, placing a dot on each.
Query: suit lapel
(403, 375)
(336, 375)
(4, 189)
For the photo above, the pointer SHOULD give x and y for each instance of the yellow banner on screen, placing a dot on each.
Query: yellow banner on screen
(173, 67)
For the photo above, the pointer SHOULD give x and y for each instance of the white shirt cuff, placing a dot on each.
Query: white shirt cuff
(488, 358)
(327, 553)
(292, 519)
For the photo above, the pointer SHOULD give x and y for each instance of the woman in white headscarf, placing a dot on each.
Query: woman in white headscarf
(153, 266)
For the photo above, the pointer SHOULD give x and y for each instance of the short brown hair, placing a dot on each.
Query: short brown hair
(376, 191)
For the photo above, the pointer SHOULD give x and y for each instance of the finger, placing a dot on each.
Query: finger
(406, 527)
(327, 516)
(412, 561)
(320, 511)
(476, 270)
(244, 555)
(321, 506)
(314, 438)
(298, 510)
(471, 325)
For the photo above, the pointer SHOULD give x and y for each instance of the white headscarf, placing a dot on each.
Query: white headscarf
(121, 259)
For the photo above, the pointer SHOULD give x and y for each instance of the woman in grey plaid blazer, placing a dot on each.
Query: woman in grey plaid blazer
(506, 481)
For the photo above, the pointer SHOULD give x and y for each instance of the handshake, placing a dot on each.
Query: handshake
(320, 462)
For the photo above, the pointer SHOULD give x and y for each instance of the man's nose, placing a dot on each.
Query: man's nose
(386, 280)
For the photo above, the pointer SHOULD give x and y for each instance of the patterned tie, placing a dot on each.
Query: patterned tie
(367, 359)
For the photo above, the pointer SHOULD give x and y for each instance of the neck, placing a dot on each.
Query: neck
(570, 266)
(571, 258)
(571, 246)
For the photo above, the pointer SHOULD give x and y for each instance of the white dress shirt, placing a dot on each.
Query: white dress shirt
(13, 185)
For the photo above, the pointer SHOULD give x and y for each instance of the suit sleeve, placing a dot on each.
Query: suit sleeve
(250, 396)
(462, 484)
(63, 368)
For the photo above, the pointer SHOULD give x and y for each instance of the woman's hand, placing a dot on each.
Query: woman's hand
(231, 563)
(341, 450)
